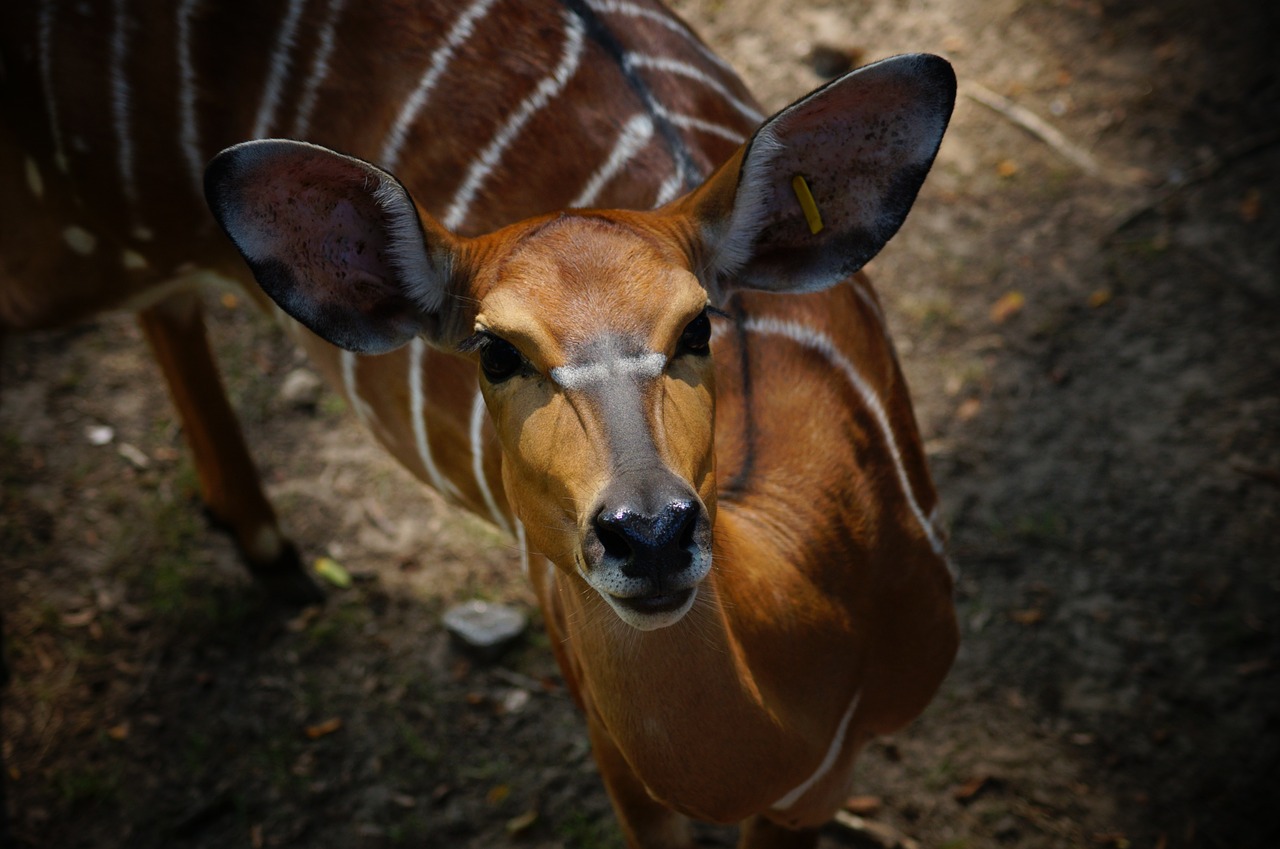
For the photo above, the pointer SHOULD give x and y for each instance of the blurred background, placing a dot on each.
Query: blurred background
(1086, 300)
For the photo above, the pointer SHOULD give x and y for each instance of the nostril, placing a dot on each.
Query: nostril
(690, 523)
(615, 544)
(625, 533)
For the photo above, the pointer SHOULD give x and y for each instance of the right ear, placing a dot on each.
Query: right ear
(337, 243)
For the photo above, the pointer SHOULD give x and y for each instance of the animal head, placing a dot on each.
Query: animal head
(591, 329)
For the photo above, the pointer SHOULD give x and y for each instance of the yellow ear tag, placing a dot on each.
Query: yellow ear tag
(807, 203)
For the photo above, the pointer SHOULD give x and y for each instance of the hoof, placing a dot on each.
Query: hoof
(286, 581)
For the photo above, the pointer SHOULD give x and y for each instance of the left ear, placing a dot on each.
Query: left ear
(824, 184)
(337, 243)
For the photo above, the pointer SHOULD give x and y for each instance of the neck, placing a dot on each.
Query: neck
(716, 690)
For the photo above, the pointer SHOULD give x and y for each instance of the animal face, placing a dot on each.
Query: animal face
(593, 339)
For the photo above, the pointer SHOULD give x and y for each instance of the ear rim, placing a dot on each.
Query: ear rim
(731, 246)
(421, 268)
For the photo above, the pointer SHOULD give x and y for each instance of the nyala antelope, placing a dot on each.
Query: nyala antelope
(570, 276)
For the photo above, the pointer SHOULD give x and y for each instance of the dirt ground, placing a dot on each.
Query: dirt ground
(1091, 326)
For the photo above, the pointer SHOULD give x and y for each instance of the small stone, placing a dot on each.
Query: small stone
(301, 388)
(485, 629)
(99, 434)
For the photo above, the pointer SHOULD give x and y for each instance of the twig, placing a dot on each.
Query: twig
(1210, 167)
(874, 833)
(1037, 126)
(1262, 473)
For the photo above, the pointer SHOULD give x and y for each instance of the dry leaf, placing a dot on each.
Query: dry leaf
(970, 789)
(1253, 667)
(1009, 305)
(968, 408)
(119, 732)
(323, 729)
(863, 806)
(497, 794)
(1006, 168)
(1027, 617)
(134, 455)
(1098, 297)
(1251, 206)
(519, 825)
(332, 571)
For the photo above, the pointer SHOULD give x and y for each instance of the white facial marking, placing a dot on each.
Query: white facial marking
(34, 181)
(132, 260)
(80, 240)
(590, 374)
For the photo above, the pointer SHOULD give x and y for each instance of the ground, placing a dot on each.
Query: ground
(1089, 324)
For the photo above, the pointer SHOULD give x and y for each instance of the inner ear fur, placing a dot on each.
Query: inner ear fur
(862, 145)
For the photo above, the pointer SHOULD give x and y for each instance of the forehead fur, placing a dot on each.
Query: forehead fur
(579, 278)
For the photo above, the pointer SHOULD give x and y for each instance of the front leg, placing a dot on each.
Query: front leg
(760, 833)
(646, 822)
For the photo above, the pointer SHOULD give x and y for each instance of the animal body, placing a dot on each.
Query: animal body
(561, 272)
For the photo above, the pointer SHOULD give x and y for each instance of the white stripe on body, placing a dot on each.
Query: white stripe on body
(319, 70)
(670, 188)
(635, 135)
(417, 412)
(689, 122)
(350, 386)
(188, 132)
(458, 35)
(828, 761)
(121, 107)
(549, 87)
(523, 542)
(629, 9)
(865, 296)
(278, 71)
(812, 339)
(44, 38)
(478, 412)
(684, 69)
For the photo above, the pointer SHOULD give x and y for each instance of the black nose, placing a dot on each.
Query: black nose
(649, 544)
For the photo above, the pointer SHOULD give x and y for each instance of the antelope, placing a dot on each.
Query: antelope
(602, 302)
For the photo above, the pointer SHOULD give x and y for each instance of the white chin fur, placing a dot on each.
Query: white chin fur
(650, 621)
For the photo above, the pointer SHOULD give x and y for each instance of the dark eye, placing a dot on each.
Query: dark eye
(696, 336)
(499, 359)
